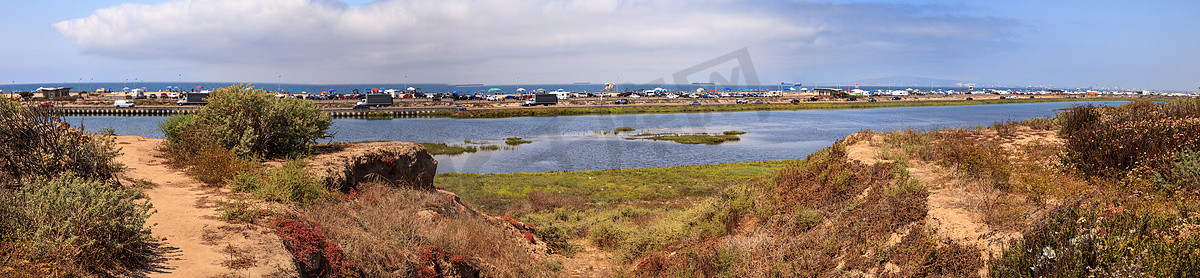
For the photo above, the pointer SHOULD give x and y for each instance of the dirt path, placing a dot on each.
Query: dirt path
(194, 242)
(589, 262)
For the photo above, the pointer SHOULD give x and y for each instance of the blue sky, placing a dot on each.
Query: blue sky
(1134, 44)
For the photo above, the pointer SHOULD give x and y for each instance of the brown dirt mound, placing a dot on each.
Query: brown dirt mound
(401, 164)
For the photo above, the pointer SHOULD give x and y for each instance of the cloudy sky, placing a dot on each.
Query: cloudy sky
(1136, 44)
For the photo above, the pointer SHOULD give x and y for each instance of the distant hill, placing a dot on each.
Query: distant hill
(911, 81)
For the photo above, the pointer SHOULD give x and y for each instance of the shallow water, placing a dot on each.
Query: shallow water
(572, 143)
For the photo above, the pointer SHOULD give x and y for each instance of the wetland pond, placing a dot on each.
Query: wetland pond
(573, 143)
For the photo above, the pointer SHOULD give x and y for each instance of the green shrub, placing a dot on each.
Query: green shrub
(608, 235)
(80, 225)
(554, 265)
(37, 144)
(1100, 243)
(642, 241)
(555, 236)
(622, 129)
(807, 219)
(734, 132)
(1184, 174)
(290, 183)
(251, 122)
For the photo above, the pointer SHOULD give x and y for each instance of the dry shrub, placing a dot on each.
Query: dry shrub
(383, 236)
(36, 144)
(1006, 128)
(971, 154)
(215, 165)
(823, 212)
(539, 201)
(1109, 141)
(1039, 123)
(920, 255)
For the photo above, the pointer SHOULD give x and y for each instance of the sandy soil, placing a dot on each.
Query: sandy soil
(589, 262)
(193, 241)
(949, 214)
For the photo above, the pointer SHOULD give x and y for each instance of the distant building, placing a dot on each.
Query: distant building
(826, 91)
(54, 92)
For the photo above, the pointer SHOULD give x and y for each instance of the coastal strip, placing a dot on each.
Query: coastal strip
(506, 112)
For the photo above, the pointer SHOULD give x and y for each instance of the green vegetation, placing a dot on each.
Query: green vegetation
(622, 129)
(612, 110)
(62, 213)
(499, 193)
(513, 141)
(443, 149)
(733, 132)
(69, 226)
(1118, 198)
(701, 138)
(251, 122)
(1140, 221)
(290, 183)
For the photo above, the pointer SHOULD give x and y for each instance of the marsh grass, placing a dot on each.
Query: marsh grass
(498, 193)
(513, 141)
(444, 149)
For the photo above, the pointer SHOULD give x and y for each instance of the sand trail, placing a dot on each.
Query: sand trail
(194, 242)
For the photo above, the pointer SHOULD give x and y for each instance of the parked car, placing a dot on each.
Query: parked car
(741, 100)
(622, 101)
(756, 102)
(173, 95)
(122, 103)
(45, 104)
(795, 101)
(970, 98)
(851, 99)
(813, 99)
(694, 103)
(871, 100)
(895, 98)
(361, 106)
(672, 96)
(459, 108)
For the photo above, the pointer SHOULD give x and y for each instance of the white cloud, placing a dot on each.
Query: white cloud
(493, 40)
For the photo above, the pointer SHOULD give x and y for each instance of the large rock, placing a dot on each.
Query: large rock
(401, 164)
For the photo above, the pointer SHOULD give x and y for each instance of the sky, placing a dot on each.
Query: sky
(1066, 44)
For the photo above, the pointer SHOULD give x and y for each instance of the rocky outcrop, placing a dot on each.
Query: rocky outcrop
(401, 164)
